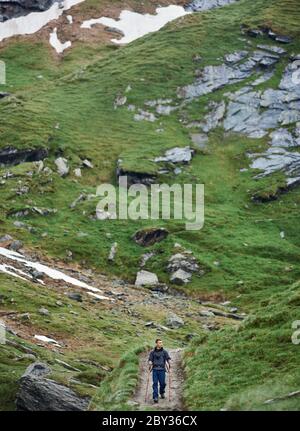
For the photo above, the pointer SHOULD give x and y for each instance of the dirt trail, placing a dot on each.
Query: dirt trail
(175, 403)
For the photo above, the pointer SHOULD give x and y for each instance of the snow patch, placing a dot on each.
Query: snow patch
(135, 25)
(57, 44)
(50, 272)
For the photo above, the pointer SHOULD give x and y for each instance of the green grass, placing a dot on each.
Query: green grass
(78, 93)
(119, 387)
(240, 370)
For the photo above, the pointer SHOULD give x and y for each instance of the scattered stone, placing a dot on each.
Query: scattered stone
(235, 57)
(75, 296)
(62, 166)
(206, 313)
(144, 116)
(113, 252)
(180, 277)
(44, 312)
(150, 236)
(177, 155)
(87, 164)
(16, 245)
(173, 321)
(145, 257)
(80, 198)
(120, 101)
(145, 278)
(31, 211)
(77, 172)
(6, 238)
(183, 261)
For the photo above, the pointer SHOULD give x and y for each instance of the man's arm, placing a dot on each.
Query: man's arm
(168, 361)
(150, 361)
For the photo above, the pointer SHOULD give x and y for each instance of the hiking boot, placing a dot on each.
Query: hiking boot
(155, 400)
(162, 396)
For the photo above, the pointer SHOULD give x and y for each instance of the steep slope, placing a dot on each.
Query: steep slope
(249, 246)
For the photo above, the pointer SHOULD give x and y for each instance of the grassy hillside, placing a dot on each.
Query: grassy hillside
(70, 111)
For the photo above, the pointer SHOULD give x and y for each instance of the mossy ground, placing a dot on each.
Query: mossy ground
(255, 263)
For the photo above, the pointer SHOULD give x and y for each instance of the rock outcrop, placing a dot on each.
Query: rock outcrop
(38, 393)
(15, 8)
(14, 156)
(150, 236)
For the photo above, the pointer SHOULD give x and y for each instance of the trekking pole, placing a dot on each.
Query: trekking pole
(169, 384)
(148, 378)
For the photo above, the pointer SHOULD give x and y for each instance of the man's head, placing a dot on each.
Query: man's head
(158, 343)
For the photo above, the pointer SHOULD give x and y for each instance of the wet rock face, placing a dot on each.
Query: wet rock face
(12, 156)
(12, 9)
(148, 237)
(37, 393)
(135, 177)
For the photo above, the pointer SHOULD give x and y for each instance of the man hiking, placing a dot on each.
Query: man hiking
(159, 363)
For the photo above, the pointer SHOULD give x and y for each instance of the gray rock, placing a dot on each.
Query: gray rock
(173, 321)
(80, 198)
(113, 252)
(75, 296)
(44, 312)
(216, 77)
(16, 245)
(37, 393)
(235, 57)
(146, 278)
(144, 116)
(6, 238)
(212, 120)
(272, 48)
(201, 5)
(177, 155)
(87, 164)
(180, 277)
(77, 172)
(183, 261)
(120, 101)
(199, 139)
(62, 166)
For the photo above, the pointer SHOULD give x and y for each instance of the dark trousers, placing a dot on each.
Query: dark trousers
(159, 376)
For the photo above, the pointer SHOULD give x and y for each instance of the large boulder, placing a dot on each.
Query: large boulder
(146, 278)
(37, 393)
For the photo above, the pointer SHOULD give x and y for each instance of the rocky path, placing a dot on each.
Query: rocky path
(177, 377)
